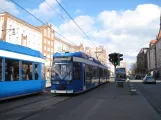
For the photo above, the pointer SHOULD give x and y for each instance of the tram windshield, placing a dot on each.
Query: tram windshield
(61, 71)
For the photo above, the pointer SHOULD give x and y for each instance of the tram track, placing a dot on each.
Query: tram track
(41, 110)
(23, 105)
(150, 99)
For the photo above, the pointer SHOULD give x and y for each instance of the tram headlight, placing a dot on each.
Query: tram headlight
(69, 82)
(55, 82)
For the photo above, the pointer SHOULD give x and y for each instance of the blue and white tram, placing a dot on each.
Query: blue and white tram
(21, 71)
(76, 72)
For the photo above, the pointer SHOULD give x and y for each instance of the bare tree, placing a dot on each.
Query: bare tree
(133, 68)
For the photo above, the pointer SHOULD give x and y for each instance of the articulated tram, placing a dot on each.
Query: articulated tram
(76, 72)
(21, 71)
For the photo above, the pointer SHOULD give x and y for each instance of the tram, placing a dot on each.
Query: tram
(76, 72)
(21, 71)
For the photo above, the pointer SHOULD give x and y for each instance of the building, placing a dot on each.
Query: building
(48, 39)
(142, 61)
(17, 31)
(98, 53)
(154, 55)
(62, 46)
(123, 64)
(151, 56)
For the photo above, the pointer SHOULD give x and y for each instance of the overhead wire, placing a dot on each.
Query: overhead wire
(61, 16)
(39, 20)
(75, 23)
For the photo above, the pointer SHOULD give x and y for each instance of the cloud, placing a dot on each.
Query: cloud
(8, 6)
(78, 11)
(44, 11)
(125, 32)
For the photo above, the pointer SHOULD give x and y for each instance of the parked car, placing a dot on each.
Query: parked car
(138, 77)
(149, 79)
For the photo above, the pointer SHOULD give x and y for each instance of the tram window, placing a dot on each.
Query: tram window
(89, 72)
(36, 75)
(0, 69)
(96, 72)
(26, 70)
(43, 72)
(11, 70)
(76, 71)
(101, 73)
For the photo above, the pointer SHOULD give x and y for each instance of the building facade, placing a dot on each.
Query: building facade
(142, 61)
(17, 31)
(48, 39)
(154, 56)
(62, 46)
(98, 53)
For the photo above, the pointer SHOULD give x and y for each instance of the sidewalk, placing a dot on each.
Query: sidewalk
(113, 103)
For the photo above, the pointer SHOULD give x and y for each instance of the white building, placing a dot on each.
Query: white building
(16, 31)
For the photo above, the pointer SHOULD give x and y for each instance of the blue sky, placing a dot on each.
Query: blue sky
(122, 26)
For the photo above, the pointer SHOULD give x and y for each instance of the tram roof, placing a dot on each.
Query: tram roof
(77, 54)
(19, 49)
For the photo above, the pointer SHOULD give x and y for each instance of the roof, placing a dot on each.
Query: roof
(20, 20)
(19, 49)
(153, 41)
(77, 54)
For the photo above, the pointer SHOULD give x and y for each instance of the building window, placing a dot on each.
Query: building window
(52, 50)
(48, 56)
(10, 27)
(0, 69)
(48, 42)
(48, 49)
(26, 70)
(45, 32)
(44, 40)
(38, 46)
(17, 30)
(12, 70)
(44, 47)
(17, 40)
(48, 32)
(44, 54)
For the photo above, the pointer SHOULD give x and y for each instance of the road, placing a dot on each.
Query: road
(104, 102)
(152, 92)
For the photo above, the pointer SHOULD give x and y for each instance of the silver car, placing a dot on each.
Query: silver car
(149, 79)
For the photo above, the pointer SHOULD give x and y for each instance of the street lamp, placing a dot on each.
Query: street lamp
(9, 30)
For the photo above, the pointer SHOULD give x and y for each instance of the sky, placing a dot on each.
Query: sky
(123, 26)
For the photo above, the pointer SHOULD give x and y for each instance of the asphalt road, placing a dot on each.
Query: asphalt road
(104, 102)
(152, 92)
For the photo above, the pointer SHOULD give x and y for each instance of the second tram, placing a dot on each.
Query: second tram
(76, 72)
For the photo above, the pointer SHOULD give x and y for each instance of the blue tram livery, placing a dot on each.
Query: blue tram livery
(76, 72)
(21, 71)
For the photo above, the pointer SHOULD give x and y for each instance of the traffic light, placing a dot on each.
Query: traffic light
(120, 55)
(115, 58)
(111, 57)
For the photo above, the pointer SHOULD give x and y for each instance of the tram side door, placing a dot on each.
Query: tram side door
(84, 76)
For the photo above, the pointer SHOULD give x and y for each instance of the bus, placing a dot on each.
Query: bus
(21, 71)
(76, 72)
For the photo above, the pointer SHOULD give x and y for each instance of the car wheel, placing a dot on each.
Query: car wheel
(154, 82)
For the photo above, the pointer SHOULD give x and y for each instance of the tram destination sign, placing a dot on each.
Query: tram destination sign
(62, 59)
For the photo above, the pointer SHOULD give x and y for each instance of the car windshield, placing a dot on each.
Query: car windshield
(61, 71)
(149, 77)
